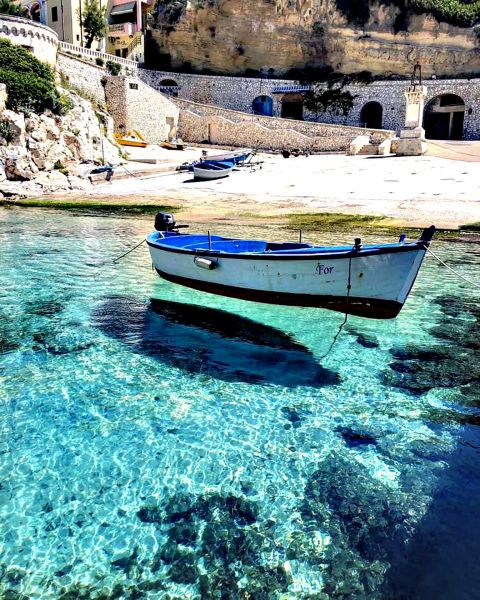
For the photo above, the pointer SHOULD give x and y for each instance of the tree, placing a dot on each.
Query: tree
(331, 99)
(93, 22)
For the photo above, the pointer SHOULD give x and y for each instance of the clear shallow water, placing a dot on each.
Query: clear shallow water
(194, 446)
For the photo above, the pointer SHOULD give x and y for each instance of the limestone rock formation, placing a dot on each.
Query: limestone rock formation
(275, 36)
(44, 153)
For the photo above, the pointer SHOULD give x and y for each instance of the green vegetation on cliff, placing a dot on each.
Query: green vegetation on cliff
(9, 8)
(463, 13)
(30, 83)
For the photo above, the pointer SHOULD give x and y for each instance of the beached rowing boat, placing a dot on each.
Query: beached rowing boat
(215, 169)
(366, 280)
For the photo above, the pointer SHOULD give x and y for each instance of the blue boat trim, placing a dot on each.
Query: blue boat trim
(304, 253)
(361, 307)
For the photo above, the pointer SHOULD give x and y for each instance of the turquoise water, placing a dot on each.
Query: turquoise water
(157, 442)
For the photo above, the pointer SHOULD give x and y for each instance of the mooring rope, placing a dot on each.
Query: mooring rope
(476, 285)
(349, 286)
(131, 250)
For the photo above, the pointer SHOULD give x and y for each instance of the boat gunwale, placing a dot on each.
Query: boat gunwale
(294, 254)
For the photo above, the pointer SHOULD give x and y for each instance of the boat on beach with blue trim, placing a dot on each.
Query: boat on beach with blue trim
(371, 280)
(213, 169)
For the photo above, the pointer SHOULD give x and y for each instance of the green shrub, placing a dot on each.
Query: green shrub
(8, 8)
(30, 83)
(463, 13)
(62, 105)
(28, 92)
(113, 67)
(7, 131)
(58, 166)
(100, 62)
(22, 61)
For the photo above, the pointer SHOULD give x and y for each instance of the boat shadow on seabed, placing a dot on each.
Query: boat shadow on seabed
(211, 342)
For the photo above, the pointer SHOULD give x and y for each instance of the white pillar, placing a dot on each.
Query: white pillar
(412, 136)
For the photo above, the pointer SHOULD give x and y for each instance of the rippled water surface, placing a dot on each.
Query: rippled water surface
(157, 442)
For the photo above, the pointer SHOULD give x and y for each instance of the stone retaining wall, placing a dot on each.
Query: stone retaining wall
(238, 93)
(309, 128)
(134, 105)
(390, 95)
(39, 39)
(209, 124)
(83, 76)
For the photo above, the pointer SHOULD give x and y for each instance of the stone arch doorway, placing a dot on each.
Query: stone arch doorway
(443, 118)
(371, 115)
(292, 106)
(169, 86)
(263, 105)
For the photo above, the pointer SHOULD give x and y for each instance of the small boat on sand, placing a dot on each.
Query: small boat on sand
(237, 156)
(365, 280)
(175, 144)
(213, 169)
(132, 138)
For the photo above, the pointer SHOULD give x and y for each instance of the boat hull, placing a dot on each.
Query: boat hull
(132, 143)
(207, 174)
(372, 308)
(380, 280)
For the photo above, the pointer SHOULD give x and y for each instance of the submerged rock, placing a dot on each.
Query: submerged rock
(211, 543)
(367, 341)
(451, 363)
(363, 520)
(356, 438)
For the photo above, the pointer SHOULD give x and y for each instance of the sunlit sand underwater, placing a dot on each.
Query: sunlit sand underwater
(157, 442)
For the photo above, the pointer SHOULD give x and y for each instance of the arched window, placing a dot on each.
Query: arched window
(443, 118)
(35, 12)
(263, 105)
(371, 115)
(169, 86)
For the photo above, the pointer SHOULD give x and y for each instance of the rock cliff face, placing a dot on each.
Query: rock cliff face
(275, 36)
(44, 153)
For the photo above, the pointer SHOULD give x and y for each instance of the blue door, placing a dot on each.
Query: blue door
(263, 105)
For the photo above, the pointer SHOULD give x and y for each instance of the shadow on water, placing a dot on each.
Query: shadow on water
(441, 560)
(209, 341)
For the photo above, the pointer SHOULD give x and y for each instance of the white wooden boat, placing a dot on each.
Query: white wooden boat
(366, 280)
(237, 156)
(213, 169)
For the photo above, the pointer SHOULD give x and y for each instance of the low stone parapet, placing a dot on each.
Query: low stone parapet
(39, 39)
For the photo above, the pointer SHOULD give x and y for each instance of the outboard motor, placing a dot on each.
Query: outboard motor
(166, 222)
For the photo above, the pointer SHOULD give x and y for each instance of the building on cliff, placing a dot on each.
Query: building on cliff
(64, 16)
(126, 26)
(36, 10)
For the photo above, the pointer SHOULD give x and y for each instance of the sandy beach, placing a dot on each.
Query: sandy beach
(414, 191)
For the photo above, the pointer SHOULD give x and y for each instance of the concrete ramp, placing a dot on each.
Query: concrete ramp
(466, 151)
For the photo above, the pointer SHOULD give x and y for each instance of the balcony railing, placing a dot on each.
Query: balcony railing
(87, 53)
(122, 29)
(286, 89)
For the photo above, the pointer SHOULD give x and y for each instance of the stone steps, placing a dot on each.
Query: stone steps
(369, 150)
